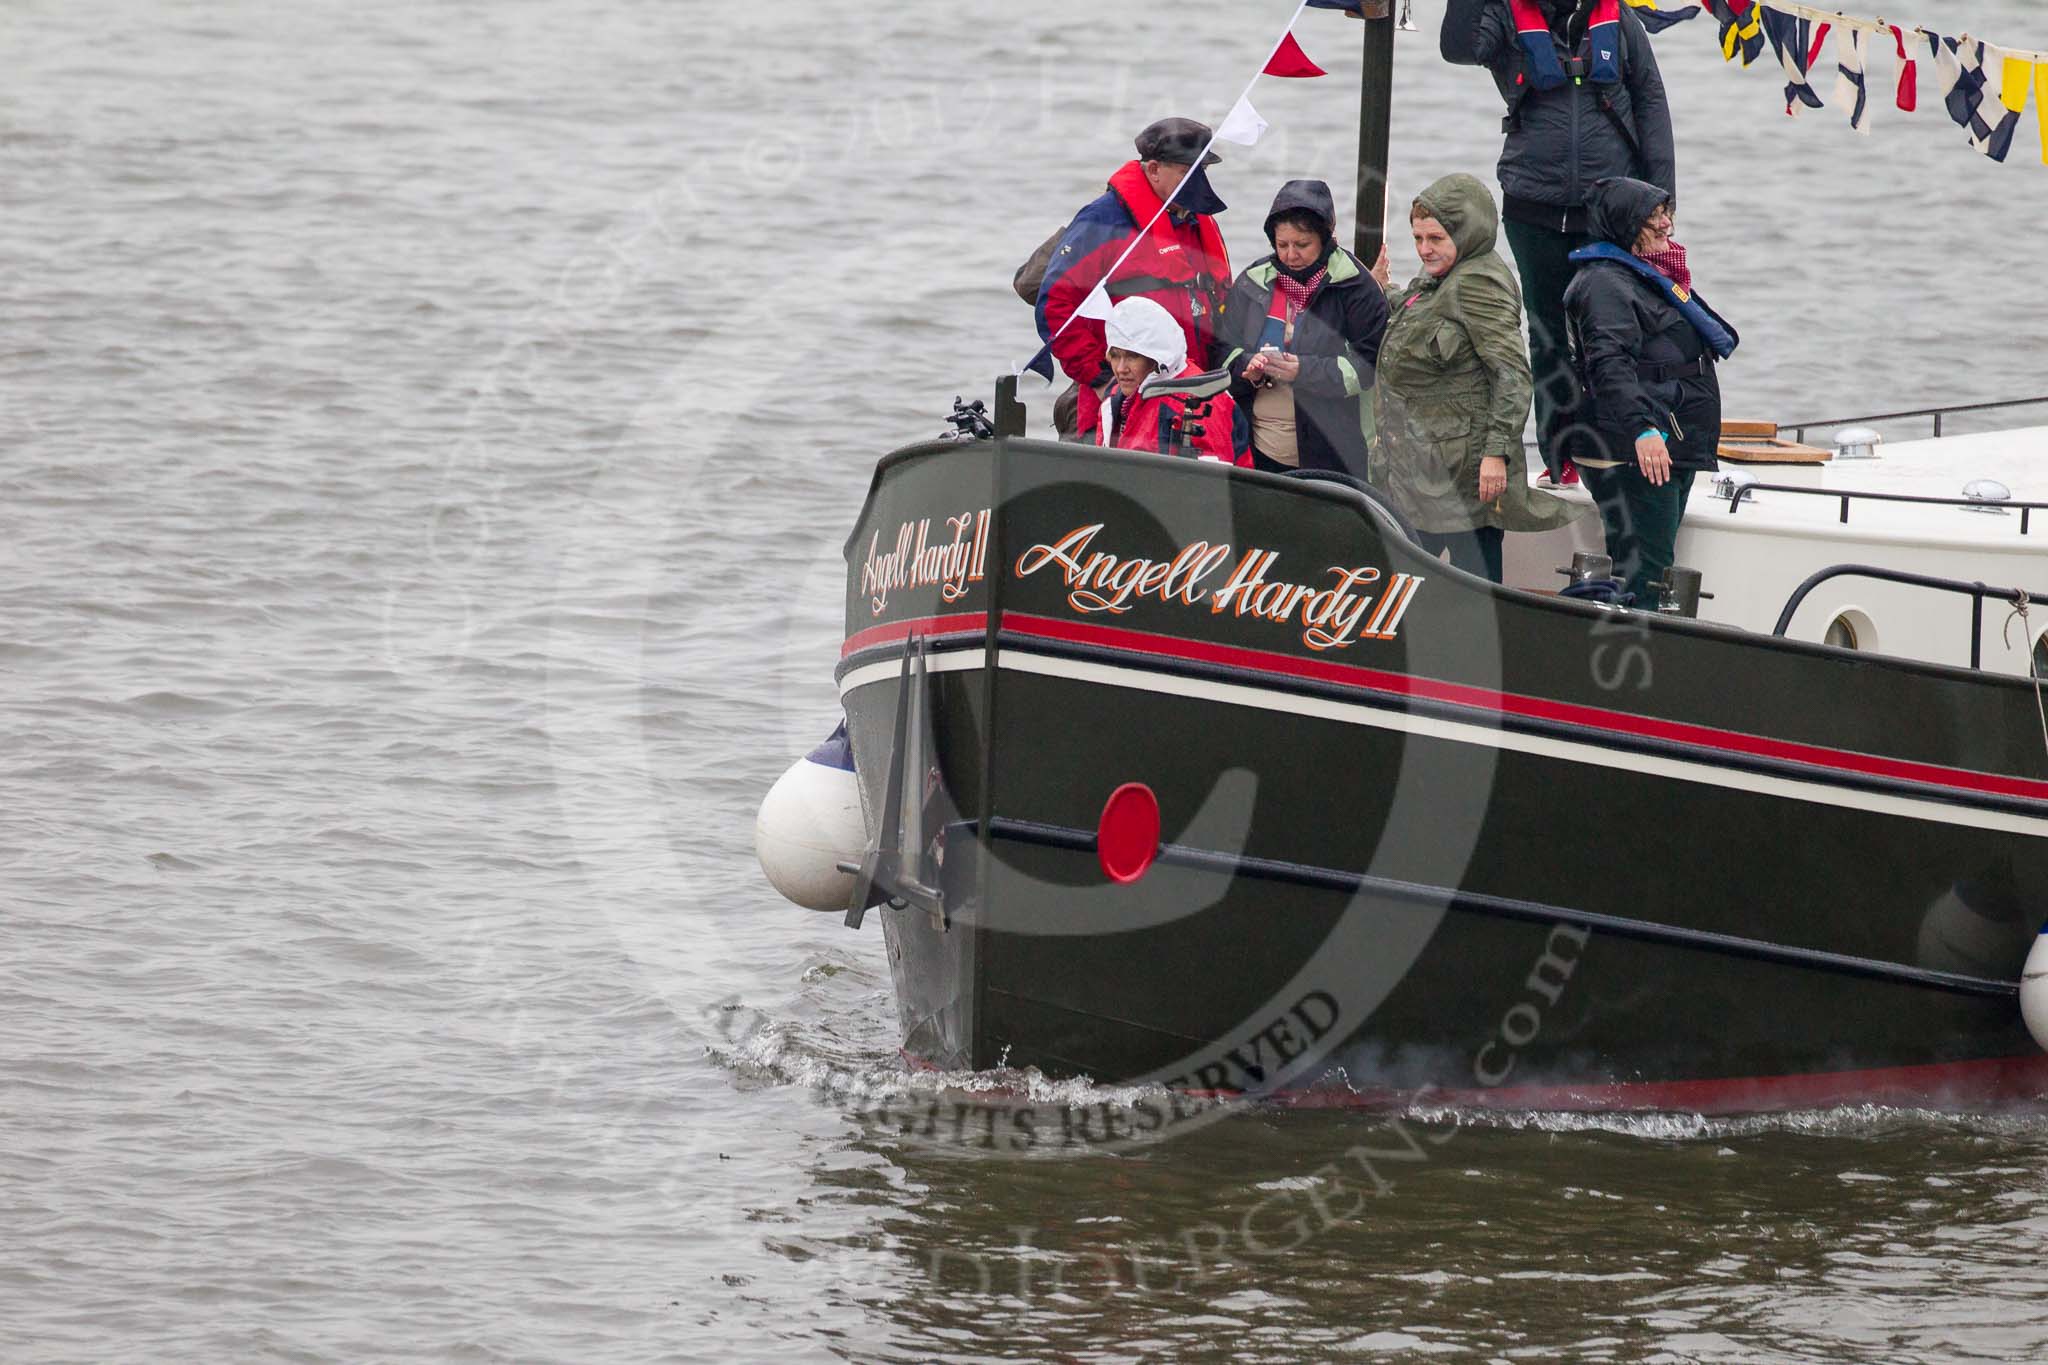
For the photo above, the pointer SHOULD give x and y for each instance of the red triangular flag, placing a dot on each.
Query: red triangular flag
(1290, 60)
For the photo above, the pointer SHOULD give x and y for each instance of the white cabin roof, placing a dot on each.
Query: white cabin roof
(1755, 557)
(1939, 467)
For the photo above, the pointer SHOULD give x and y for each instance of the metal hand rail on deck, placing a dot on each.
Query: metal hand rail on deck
(1976, 592)
(1799, 429)
(1742, 491)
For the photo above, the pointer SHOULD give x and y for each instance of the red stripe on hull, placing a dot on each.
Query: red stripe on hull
(961, 624)
(1715, 741)
(1989, 1081)
(1533, 708)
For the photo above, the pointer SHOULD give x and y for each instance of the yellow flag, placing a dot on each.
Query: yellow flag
(2012, 85)
(2041, 106)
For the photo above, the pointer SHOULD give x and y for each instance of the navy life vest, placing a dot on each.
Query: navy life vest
(1539, 49)
(1714, 332)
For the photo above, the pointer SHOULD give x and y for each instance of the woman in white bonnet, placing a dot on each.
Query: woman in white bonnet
(1144, 338)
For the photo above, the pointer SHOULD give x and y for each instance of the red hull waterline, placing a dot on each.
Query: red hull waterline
(1988, 1083)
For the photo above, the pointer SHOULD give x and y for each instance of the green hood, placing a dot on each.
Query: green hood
(1467, 211)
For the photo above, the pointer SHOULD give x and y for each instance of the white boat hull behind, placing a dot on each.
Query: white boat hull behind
(1752, 560)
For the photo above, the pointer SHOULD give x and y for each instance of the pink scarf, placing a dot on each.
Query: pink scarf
(1670, 262)
(1290, 296)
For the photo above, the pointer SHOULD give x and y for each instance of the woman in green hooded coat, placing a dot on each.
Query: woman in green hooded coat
(1453, 391)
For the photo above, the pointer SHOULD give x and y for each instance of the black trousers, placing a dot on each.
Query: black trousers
(1476, 551)
(1259, 461)
(1641, 522)
(1542, 259)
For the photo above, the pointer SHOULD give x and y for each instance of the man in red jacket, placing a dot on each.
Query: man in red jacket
(1179, 261)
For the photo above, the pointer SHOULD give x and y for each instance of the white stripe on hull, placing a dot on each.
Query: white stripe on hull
(1461, 732)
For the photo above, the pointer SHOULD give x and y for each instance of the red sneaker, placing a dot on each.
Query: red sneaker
(1568, 474)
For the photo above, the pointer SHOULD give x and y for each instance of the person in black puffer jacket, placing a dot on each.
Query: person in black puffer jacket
(1323, 314)
(1644, 347)
(1585, 101)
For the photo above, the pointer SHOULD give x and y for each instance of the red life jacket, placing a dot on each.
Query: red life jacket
(1181, 265)
(1140, 418)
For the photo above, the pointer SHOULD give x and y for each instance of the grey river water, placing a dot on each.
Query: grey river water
(426, 436)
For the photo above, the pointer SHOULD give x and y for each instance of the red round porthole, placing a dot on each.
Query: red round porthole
(1127, 836)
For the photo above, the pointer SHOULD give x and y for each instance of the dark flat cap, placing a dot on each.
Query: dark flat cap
(1176, 140)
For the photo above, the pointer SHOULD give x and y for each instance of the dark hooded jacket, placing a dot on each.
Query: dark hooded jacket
(1337, 338)
(1641, 363)
(1560, 141)
(1454, 381)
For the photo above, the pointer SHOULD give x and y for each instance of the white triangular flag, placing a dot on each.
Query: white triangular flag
(1096, 305)
(1243, 124)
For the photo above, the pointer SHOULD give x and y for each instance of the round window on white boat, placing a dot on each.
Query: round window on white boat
(1851, 630)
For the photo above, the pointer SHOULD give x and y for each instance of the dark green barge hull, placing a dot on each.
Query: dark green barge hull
(1419, 833)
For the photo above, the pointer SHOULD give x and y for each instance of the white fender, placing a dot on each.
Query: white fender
(810, 822)
(2034, 991)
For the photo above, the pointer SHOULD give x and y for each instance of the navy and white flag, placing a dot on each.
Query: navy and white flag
(1852, 48)
(1792, 39)
(1959, 67)
(1947, 71)
(1657, 20)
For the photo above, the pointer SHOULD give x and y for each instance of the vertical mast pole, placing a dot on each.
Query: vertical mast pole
(1375, 112)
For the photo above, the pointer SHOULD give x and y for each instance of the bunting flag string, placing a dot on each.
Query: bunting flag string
(1982, 87)
(1841, 20)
